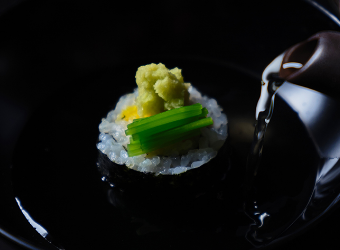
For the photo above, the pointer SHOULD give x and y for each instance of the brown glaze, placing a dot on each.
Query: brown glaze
(320, 59)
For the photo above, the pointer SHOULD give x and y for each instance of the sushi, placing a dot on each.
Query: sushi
(162, 157)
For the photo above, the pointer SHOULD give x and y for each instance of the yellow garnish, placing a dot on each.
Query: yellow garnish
(129, 114)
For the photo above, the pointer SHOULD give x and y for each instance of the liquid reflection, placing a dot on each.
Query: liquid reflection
(294, 65)
(160, 207)
(40, 229)
(320, 116)
(267, 91)
(214, 213)
(289, 214)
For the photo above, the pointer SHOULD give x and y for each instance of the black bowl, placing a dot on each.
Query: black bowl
(55, 60)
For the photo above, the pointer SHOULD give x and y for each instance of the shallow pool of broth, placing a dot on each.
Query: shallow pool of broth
(55, 175)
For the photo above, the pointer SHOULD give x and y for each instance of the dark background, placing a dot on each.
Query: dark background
(44, 45)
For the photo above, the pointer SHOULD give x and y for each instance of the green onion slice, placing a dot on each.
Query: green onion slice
(154, 129)
(167, 128)
(170, 141)
(141, 121)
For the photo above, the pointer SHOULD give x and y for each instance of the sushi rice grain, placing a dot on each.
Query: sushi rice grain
(113, 141)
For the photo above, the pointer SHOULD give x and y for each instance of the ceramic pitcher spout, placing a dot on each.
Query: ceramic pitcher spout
(315, 63)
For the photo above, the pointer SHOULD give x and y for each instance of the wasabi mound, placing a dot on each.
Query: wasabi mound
(160, 89)
(152, 145)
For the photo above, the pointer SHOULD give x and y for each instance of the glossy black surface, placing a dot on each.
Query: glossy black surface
(56, 179)
(54, 56)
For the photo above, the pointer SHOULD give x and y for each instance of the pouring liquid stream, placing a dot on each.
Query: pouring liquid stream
(264, 111)
(270, 84)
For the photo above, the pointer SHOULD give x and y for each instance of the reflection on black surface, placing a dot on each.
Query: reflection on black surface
(285, 178)
(42, 231)
(291, 212)
(168, 204)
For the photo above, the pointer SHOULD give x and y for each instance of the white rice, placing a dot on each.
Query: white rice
(113, 140)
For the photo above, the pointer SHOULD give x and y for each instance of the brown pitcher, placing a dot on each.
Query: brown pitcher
(315, 63)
